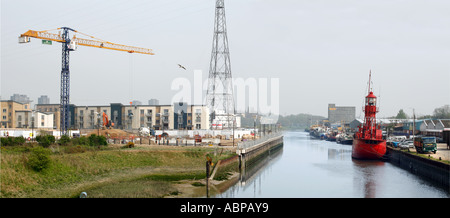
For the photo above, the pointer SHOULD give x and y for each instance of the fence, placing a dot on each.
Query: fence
(251, 143)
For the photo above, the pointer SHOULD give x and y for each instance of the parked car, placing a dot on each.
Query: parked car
(406, 144)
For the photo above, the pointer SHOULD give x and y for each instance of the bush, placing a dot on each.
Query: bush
(83, 140)
(8, 141)
(64, 140)
(39, 159)
(12, 141)
(19, 140)
(45, 140)
(95, 140)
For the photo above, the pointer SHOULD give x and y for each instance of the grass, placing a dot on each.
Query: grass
(223, 172)
(137, 172)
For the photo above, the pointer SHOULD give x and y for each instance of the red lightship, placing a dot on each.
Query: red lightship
(368, 142)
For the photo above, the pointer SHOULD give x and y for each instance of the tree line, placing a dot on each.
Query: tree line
(438, 113)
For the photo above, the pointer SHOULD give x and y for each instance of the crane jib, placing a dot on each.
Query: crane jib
(50, 36)
(85, 42)
(108, 45)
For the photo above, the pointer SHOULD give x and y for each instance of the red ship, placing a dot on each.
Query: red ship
(368, 142)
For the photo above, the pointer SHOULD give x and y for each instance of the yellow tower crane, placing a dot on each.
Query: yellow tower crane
(69, 45)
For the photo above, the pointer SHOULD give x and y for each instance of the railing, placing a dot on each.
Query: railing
(251, 143)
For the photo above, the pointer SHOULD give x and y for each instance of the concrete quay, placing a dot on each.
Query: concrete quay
(251, 151)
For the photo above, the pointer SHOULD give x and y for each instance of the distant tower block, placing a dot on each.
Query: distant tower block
(219, 97)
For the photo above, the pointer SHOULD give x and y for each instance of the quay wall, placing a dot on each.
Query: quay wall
(251, 155)
(435, 171)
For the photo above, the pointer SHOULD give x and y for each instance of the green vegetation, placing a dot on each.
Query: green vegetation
(45, 140)
(442, 112)
(223, 172)
(401, 115)
(38, 159)
(67, 168)
(12, 141)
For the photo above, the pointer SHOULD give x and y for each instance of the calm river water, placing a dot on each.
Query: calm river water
(308, 168)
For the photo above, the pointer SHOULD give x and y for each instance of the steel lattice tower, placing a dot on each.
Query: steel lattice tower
(219, 96)
(65, 82)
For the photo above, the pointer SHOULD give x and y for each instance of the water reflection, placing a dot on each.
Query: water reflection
(251, 177)
(368, 174)
(317, 169)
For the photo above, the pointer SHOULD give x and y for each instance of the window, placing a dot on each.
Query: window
(4, 117)
(42, 117)
(42, 123)
(198, 126)
(19, 118)
(142, 111)
(149, 111)
(4, 110)
(26, 106)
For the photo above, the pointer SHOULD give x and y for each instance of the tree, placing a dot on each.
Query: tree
(442, 112)
(401, 115)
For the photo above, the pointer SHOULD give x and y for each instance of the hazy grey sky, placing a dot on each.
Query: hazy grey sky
(321, 51)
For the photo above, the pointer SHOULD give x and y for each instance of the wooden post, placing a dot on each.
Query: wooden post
(207, 178)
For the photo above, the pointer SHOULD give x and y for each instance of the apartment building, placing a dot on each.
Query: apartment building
(90, 117)
(8, 109)
(30, 119)
(131, 117)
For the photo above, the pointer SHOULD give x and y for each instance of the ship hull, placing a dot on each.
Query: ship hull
(368, 149)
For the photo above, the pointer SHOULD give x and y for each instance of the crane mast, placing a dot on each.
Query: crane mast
(69, 45)
(65, 82)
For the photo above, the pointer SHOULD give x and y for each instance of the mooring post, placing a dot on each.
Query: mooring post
(207, 178)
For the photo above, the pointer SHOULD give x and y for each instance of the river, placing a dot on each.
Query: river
(309, 168)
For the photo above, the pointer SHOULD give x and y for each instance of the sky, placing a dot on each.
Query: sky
(321, 51)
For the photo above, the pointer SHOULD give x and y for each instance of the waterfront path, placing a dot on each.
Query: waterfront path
(442, 151)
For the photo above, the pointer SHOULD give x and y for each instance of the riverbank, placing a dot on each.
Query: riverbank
(433, 167)
(113, 171)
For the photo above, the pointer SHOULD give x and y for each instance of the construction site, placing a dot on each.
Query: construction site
(215, 123)
(174, 137)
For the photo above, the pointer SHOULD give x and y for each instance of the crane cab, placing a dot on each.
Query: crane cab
(73, 45)
(24, 39)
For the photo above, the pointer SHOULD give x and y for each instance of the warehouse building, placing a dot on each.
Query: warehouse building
(340, 114)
